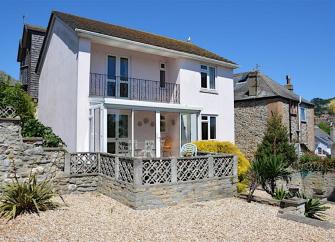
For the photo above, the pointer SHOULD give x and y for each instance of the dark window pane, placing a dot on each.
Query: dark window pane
(163, 66)
(123, 89)
(213, 127)
(162, 78)
(124, 69)
(211, 77)
(111, 89)
(203, 67)
(204, 131)
(111, 147)
(111, 72)
(111, 118)
(123, 126)
(204, 118)
(203, 80)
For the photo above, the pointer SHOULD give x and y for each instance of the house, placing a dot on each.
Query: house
(256, 97)
(324, 142)
(113, 89)
(28, 54)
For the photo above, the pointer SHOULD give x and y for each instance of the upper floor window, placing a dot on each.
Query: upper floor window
(208, 127)
(162, 74)
(303, 115)
(207, 77)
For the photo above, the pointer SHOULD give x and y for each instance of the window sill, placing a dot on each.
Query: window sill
(203, 90)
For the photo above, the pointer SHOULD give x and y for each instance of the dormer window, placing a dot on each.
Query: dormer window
(207, 77)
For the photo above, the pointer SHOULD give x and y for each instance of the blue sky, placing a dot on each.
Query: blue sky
(294, 37)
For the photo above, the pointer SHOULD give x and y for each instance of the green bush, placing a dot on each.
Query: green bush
(29, 196)
(280, 194)
(315, 209)
(325, 127)
(228, 148)
(266, 171)
(16, 97)
(33, 128)
(276, 142)
(310, 162)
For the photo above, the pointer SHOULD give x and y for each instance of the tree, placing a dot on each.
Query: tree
(276, 142)
(331, 107)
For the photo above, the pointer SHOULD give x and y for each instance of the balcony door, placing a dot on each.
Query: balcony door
(117, 77)
(118, 132)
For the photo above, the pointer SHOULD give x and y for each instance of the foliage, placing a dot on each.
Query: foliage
(266, 171)
(281, 193)
(310, 162)
(228, 148)
(321, 105)
(29, 196)
(315, 209)
(276, 142)
(33, 128)
(16, 97)
(325, 127)
(5, 78)
(331, 107)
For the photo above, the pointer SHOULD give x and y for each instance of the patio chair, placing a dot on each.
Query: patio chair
(149, 146)
(188, 149)
(167, 146)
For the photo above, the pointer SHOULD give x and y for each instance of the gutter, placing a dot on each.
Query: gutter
(90, 34)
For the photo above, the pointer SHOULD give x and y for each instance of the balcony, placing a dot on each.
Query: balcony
(102, 85)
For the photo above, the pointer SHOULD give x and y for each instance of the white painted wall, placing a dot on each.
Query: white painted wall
(220, 104)
(57, 105)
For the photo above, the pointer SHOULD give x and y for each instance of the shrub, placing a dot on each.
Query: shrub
(325, 127)
(266, 171)
(16, 97)
(315, 209)
(280, 194)
(276, 141)
(229, 148)
(310, 162)
(33, 128)
(29, 196)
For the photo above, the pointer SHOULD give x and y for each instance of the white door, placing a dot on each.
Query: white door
(95, 128)
(117, 77)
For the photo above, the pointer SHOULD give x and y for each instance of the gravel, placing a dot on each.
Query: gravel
(95, 217)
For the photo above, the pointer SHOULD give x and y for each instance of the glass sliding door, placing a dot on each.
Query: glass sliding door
(188, 128)
(118, 132)
(117, 77)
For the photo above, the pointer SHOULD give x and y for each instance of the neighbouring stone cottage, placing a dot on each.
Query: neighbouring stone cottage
(256, 97)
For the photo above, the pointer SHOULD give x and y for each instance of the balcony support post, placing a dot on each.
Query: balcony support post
(158, 133)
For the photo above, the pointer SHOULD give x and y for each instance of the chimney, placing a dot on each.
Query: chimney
(289, 85)
(253, 88)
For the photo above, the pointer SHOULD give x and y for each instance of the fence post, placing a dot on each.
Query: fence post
(174, 170)
(67, 163)
(138, 171)
(235, 163)
(210, 166)
(99, 163)
(117, 168)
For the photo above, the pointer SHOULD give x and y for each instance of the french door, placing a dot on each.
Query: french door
(117, 77)
(118, 126)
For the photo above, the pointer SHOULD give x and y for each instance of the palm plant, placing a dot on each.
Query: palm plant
(315, 209)
(281, 193)
(266, 171)
(29, 196)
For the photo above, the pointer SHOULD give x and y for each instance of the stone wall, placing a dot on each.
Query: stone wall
(251, 120)
(29, 157)
(308, 182)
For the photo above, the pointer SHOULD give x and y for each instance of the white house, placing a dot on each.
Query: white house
(113, 89)
(324, 142)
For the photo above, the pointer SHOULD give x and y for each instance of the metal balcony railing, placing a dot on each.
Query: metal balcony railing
(103, 85)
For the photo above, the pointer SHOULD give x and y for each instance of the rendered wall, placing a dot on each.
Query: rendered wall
(57, 106)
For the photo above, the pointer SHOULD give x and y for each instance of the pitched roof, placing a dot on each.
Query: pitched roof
(323, 136)
(76, 22)
(25, 37)
(266, 87)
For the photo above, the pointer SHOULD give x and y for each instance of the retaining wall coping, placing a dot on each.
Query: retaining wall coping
(10, 120)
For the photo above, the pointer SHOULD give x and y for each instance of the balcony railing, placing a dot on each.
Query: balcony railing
(134, 89)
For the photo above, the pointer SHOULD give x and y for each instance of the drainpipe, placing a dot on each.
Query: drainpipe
(299, 127)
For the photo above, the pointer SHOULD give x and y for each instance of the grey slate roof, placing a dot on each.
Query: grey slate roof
(266, 87)
(323, 136)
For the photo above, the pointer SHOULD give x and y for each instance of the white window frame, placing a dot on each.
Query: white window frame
(208, 76)
(118, 74)
(303, 118)
(208, 121)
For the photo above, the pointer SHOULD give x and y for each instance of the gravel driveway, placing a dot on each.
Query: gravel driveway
(94, 217)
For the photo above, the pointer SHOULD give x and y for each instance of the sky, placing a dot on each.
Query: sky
(284, 37)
